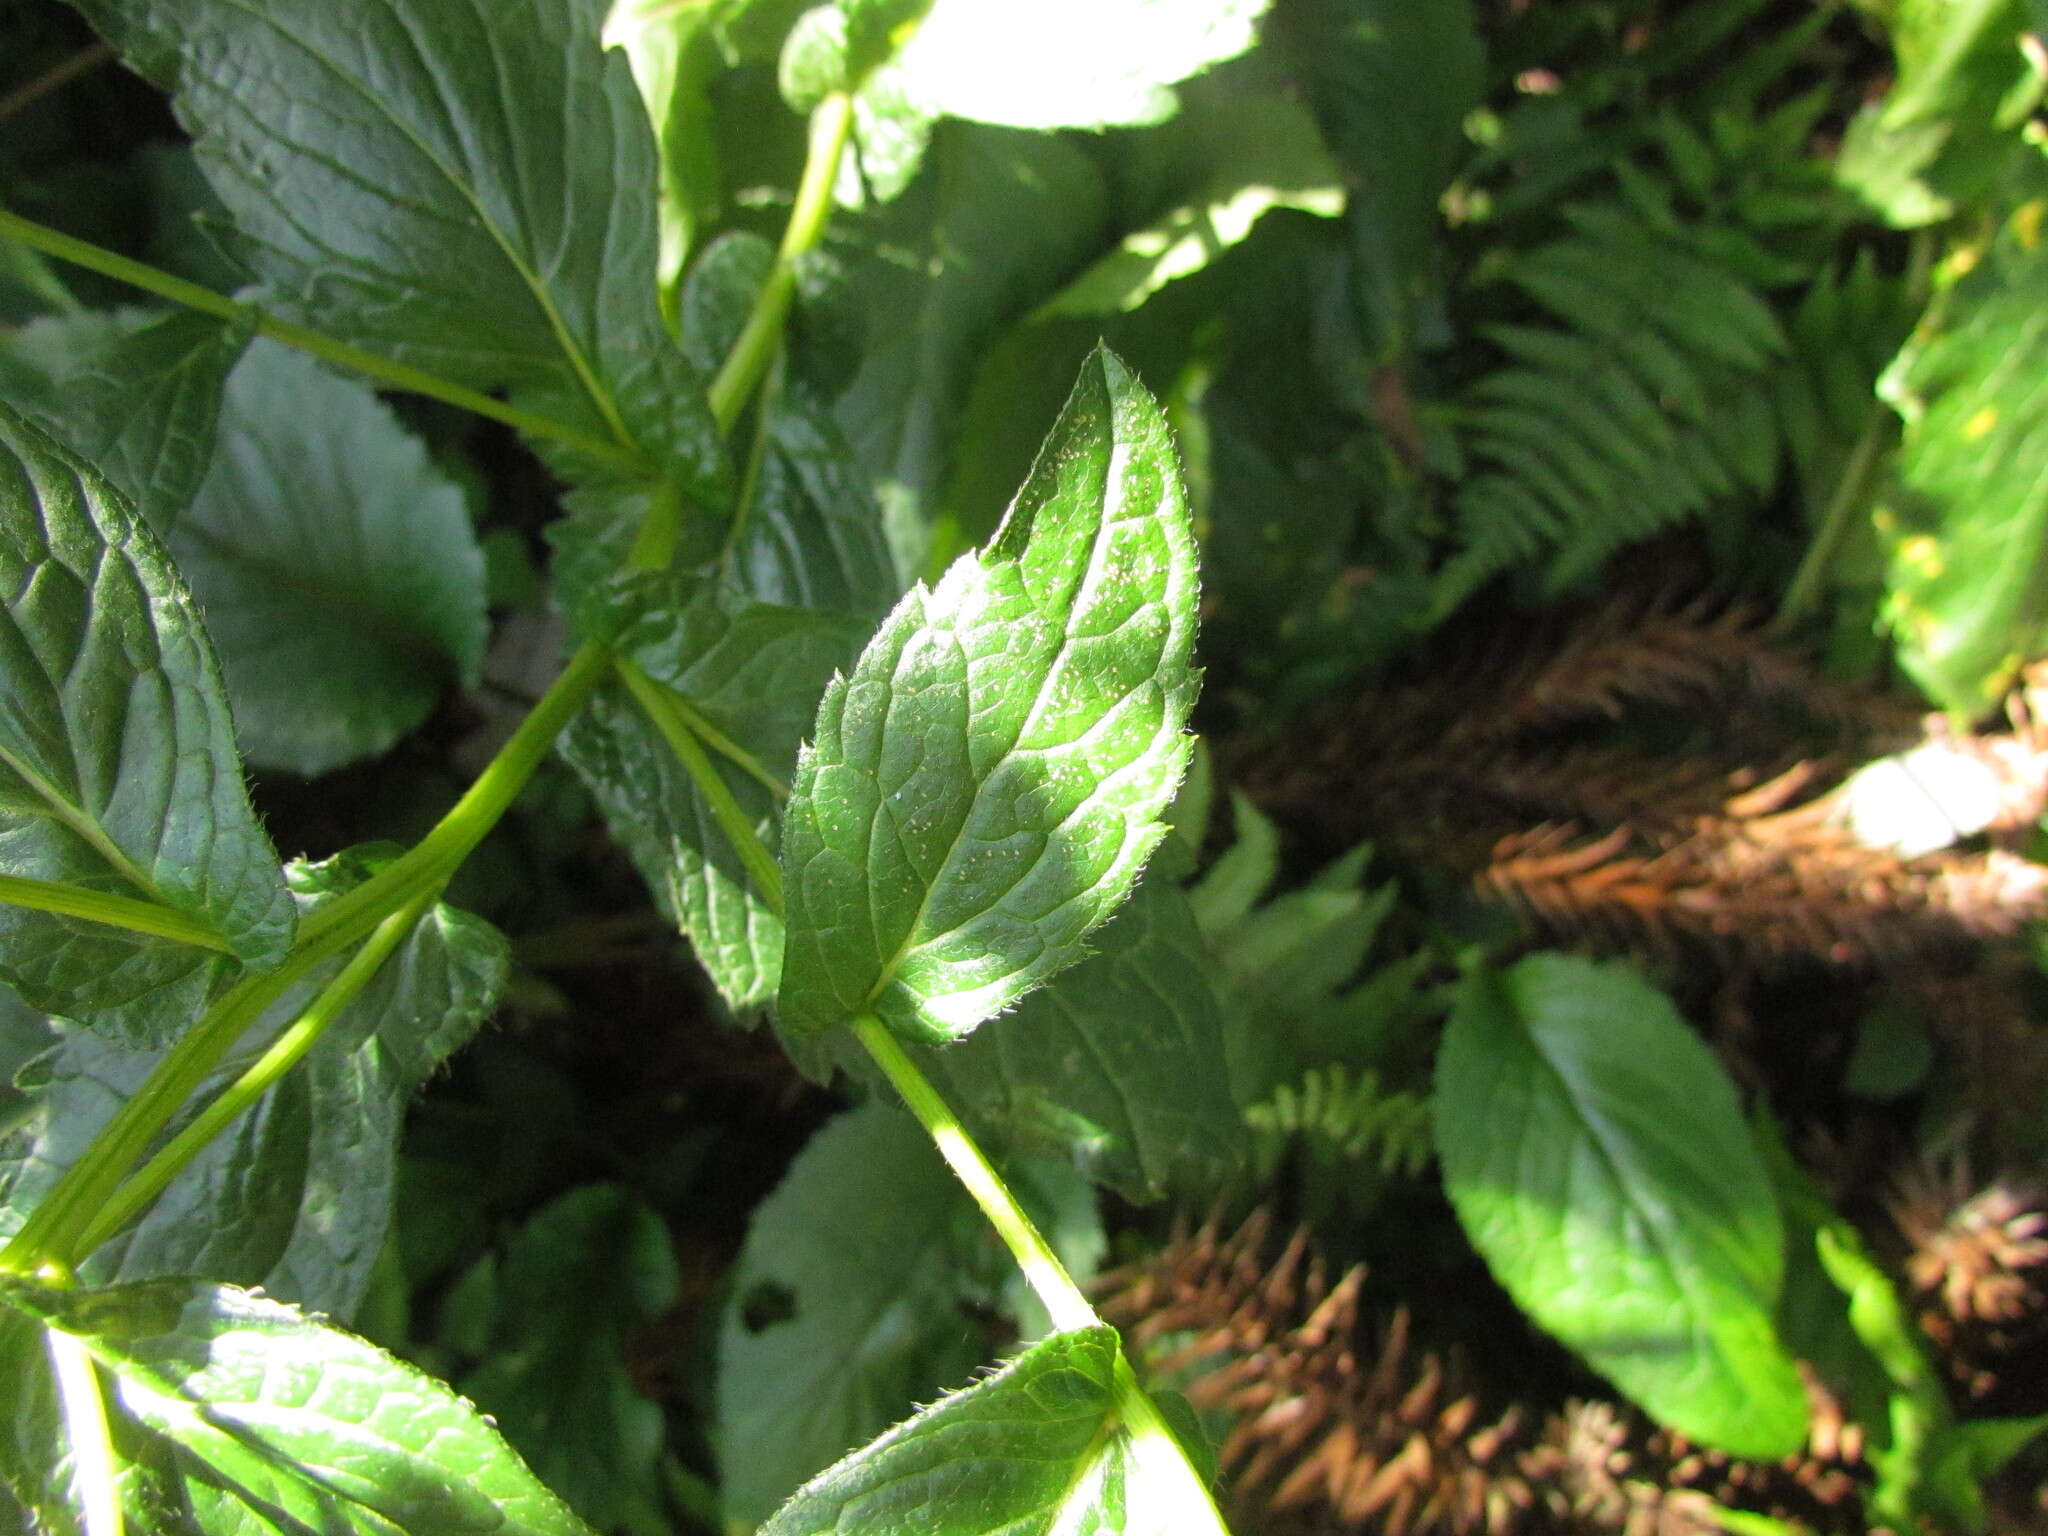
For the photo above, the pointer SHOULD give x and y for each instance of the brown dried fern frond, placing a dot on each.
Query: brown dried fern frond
(1659, 649)
(1796, 882)
(1977, 1267)
(1607, 1468)
(1337, 1424)
(1333, 1427)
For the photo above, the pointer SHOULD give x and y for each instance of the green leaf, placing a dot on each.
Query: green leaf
(1057, 64)
(673, 53)
(1118, 1064)
(837, 1321)
(341, 582)
(986, 785)
(1392, 83)
(1967, 520)
(1029, 1451)
(1597, 1158)
(1948, 129)
(753, 672)
(467, 190)
(136, 396)
(581, 1280)
(1254, 153)
(117, 756)
(285, 1423)
(296, 1194)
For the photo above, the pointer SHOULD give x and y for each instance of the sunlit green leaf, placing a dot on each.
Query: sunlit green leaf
(1029, 1451)
(1967, 519)
(1598, 1159)
(985, 786)
(296, 1421)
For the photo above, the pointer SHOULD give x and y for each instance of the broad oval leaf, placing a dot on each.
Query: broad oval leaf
(281, 1414)
(837, 1323)
(1597, 1157)
(467, 189)
(117, 756)
(343, 587)
(986, 785)
(1029, 1451)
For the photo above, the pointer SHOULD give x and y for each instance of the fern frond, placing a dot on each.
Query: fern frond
(1338, 1116)
(1634, 408)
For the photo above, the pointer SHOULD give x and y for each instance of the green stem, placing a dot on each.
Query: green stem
(750, 476)
(1803, 595)
(761, 337)
(283, 1053)
(1047, 1277)
(729, 749)
(117, 911)
(654, 546)
(95, 1464)
(391, 374)
(52, 1231)
(1192, 1508)
(661, 706)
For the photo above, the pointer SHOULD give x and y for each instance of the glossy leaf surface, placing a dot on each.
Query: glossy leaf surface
(470, 190)
(1029, 1451)
(985, 786)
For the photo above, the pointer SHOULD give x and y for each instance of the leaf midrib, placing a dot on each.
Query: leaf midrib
(75, 819)
(1098, 541)
(607, 407)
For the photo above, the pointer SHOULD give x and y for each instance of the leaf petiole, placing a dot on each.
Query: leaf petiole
(1047, 1277)
(666, 711)
(1152, 1442)
(761, 337)
(104, 907)
(392, 375)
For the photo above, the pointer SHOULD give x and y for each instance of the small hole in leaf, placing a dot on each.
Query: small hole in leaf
(766, 1304)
